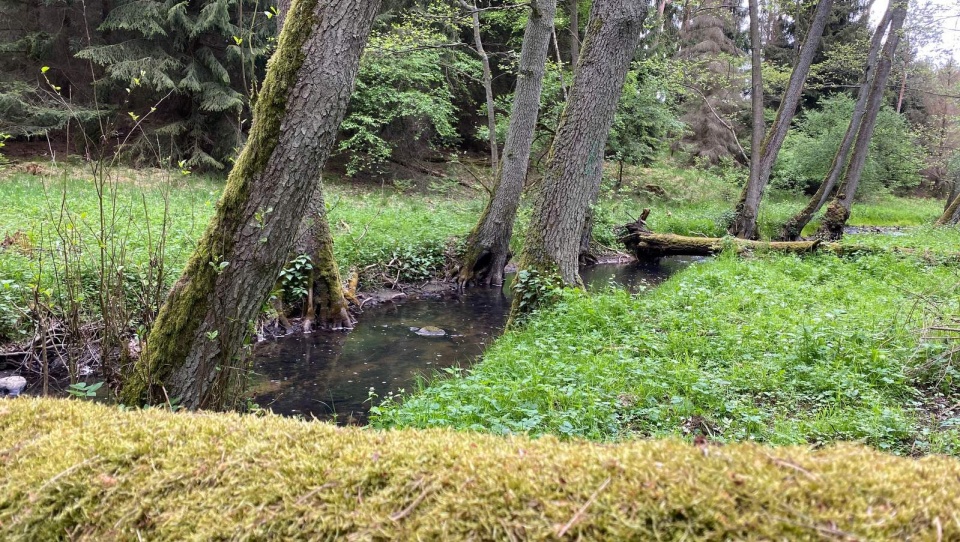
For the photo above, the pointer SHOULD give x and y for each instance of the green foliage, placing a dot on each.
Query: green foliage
(12, 296)
(3, 159)
(774, 349)
(646, 121)
(893, 163)
(387, 237)
(295, 278)
(397, 237)
(199, 60)
(406, 91)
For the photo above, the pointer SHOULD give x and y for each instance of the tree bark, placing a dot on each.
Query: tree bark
(327, 307)
(488, 246)
(573, 6)
(838, 212)
(793, 228)
(487, 85)
(745, 221)
(756, 100)
(192, 352)
(575, 163)
(951, 216)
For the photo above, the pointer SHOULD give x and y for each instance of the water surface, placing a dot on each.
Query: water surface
(329, 375)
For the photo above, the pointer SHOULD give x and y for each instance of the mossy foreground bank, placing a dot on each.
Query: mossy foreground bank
(75, 470)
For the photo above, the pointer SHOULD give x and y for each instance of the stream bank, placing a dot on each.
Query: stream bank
(334, 375)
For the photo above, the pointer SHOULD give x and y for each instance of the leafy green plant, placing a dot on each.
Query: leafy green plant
(295, 276)
(777, 349)
(84, 390)
(3, 159)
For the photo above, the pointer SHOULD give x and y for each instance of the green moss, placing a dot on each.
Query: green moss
(86, 472)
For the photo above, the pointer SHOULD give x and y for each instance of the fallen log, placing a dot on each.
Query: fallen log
(645, 245)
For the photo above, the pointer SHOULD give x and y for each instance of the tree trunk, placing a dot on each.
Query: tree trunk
(756, 101)
(192, 353)
(838, 212)
(954, 190)
(488, 246)
(326, 304)
(573, 6)
(487, 85)
(327, 307)
(745, 221)
(793, 228)
(951, 216)
(646, 245)
(574, 168)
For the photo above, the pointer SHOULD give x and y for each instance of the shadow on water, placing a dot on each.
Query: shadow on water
(329, 375)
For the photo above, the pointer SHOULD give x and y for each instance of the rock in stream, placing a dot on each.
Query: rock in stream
(11, 386)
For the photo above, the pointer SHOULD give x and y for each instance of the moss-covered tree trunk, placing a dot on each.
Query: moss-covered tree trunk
(326, 306)
(838, 212)
(745, 219)
(575, 163)
(793, 228)
(192, 352)
(488, 245)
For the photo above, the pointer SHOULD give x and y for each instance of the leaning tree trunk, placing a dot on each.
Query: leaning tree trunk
(488, 246)
(756, 102)
(745, 220)
(192, 352)
(838, 212)
(574, 168)
(793, 228)
(326, 305)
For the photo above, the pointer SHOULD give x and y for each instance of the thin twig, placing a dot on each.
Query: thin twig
(583, 509)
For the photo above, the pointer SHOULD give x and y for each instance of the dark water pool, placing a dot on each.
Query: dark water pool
(329, 375)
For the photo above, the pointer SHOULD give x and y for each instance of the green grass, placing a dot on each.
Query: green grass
(774, 349)
(385, 234)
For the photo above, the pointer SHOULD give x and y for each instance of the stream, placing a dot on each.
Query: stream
(329, 375)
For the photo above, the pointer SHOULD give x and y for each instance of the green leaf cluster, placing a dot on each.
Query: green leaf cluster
(411, 76)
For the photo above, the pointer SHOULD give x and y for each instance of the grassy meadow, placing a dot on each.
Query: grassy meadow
(774, 349)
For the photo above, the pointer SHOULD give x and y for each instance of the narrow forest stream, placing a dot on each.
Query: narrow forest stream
(329, 375)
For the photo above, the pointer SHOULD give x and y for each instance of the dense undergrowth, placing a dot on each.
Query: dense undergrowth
(80, 471)
(776, 349)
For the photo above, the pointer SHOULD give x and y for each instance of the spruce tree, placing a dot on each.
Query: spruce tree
(200, 61)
